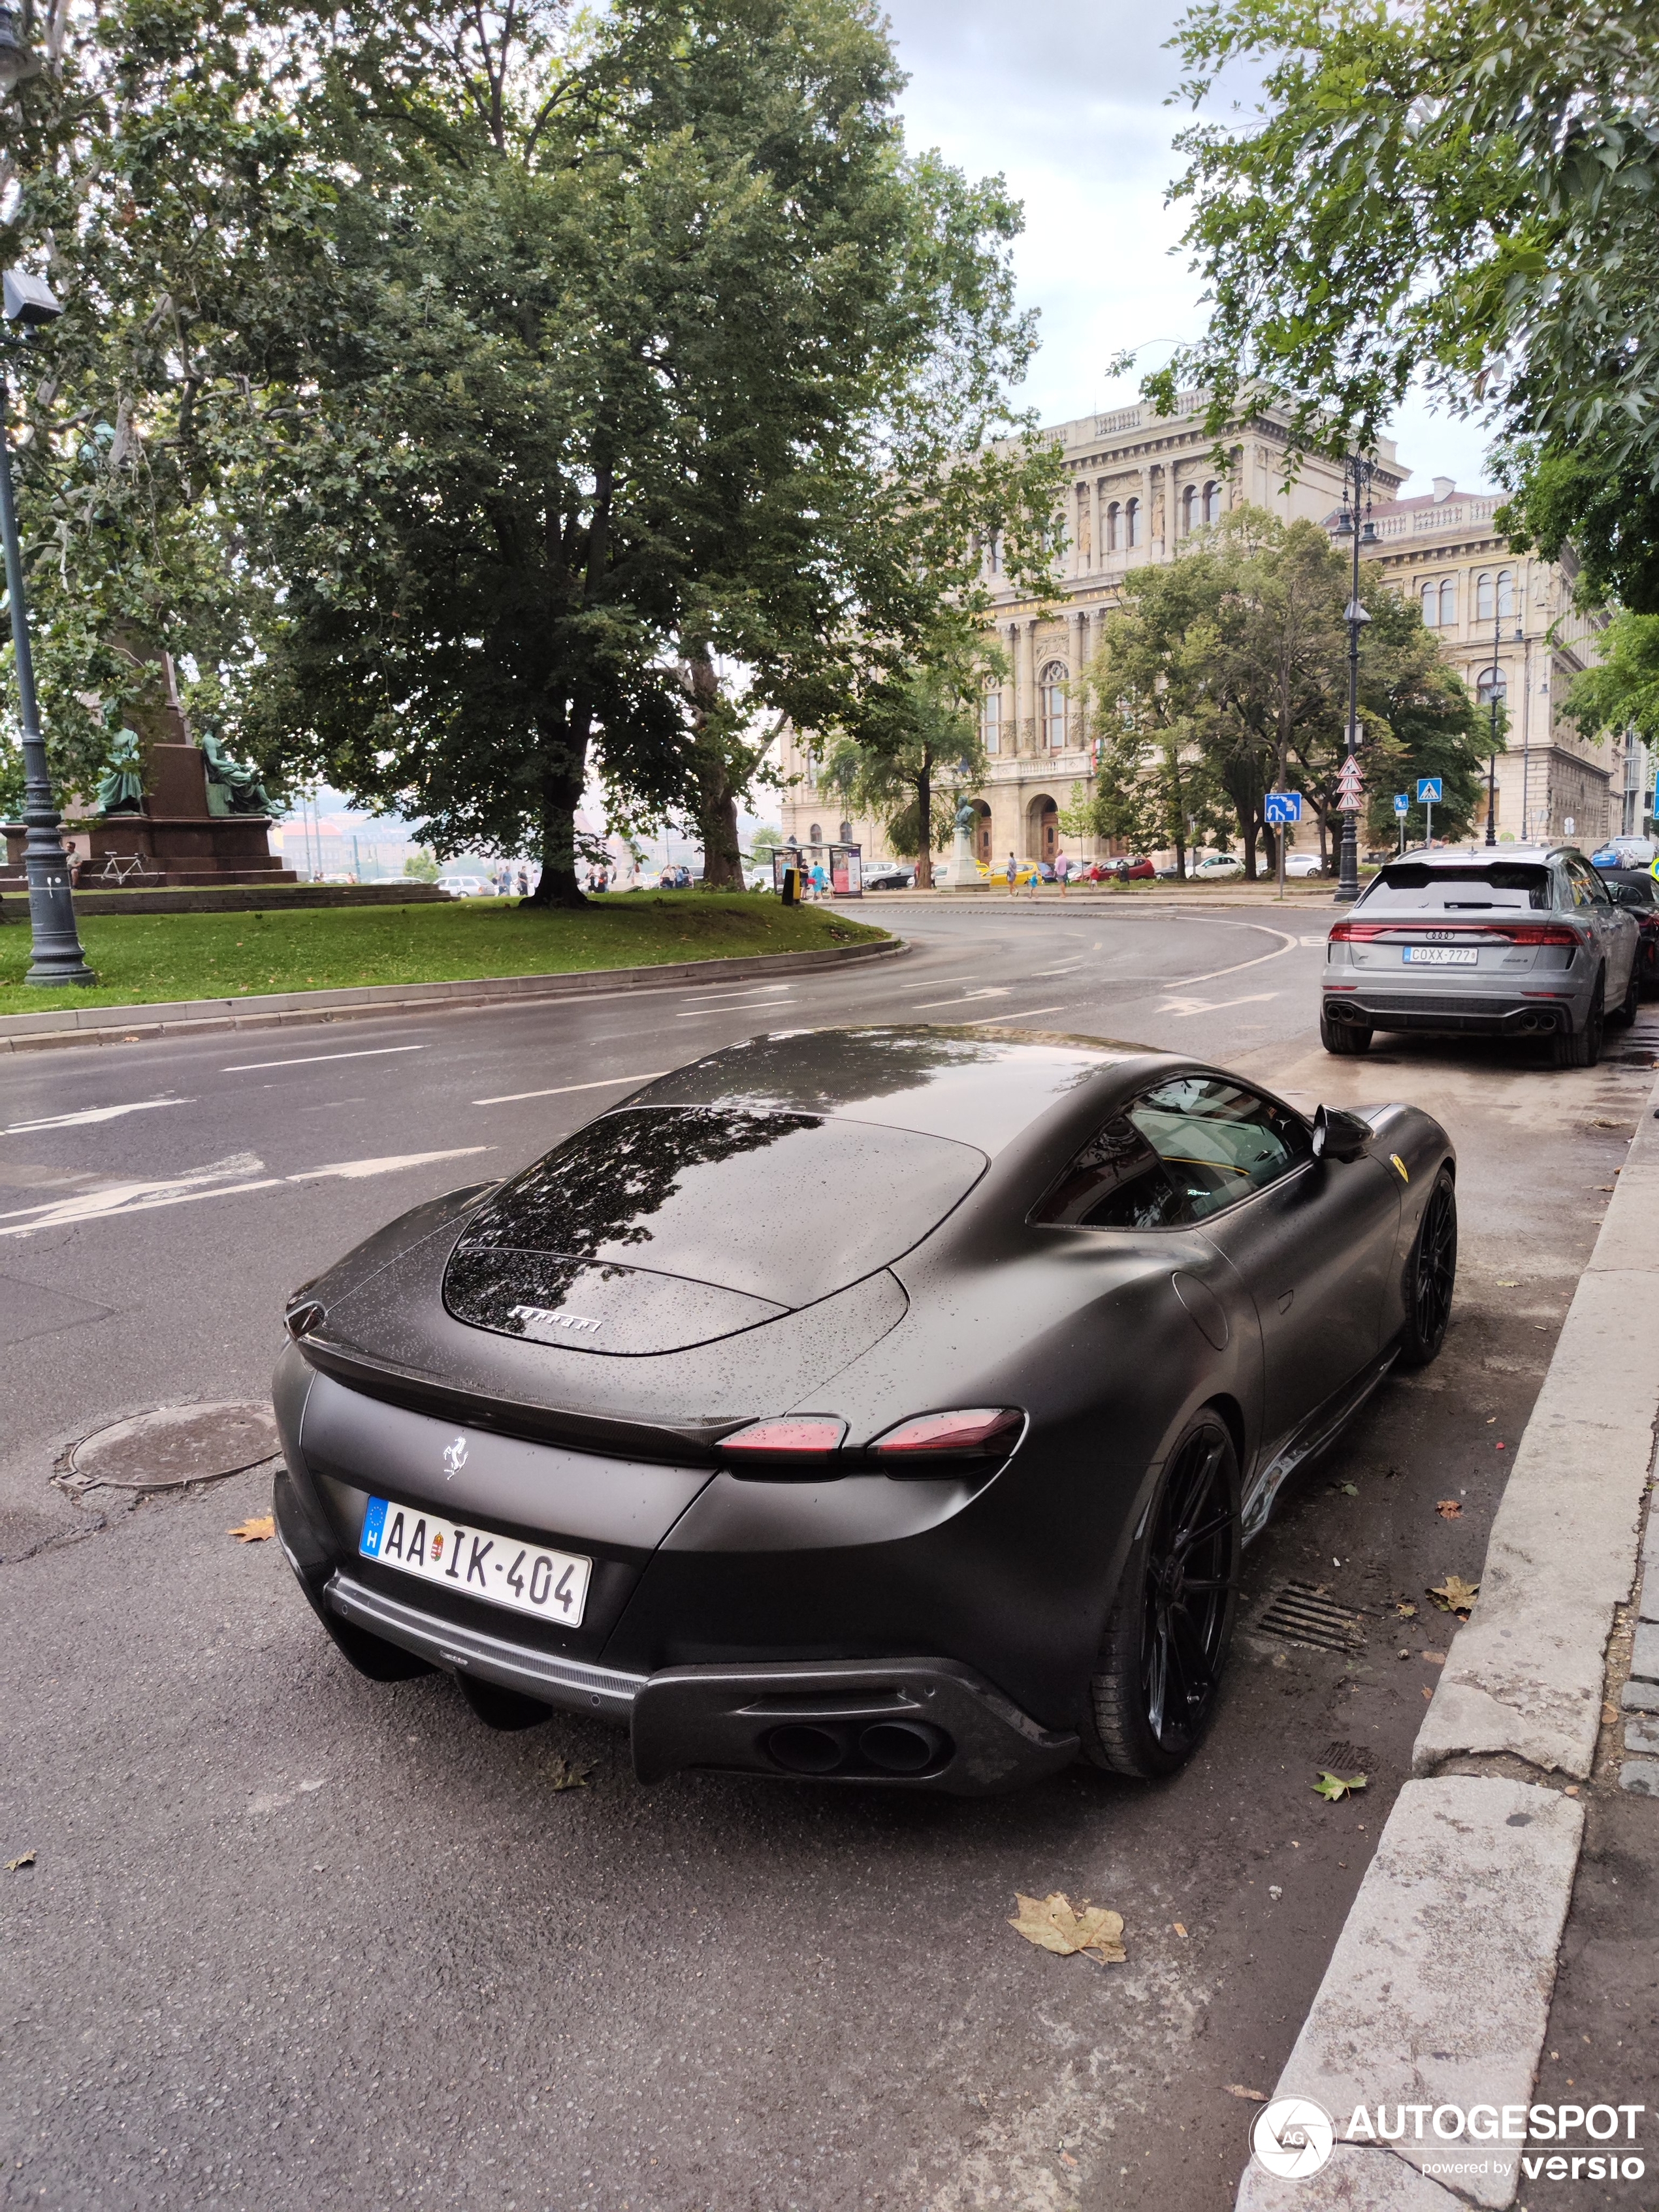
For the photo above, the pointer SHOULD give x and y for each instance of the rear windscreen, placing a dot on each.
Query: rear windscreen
(1508, 886)
(783, 1206)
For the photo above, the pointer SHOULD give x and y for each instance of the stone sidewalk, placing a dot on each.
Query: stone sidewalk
(1438, 1992)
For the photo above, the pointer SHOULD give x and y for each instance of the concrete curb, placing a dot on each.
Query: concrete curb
(1438, 1990)
(93, 1026)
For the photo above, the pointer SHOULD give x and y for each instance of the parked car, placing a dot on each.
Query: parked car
(546, 1435)
(1217, 865)
(1123, 868)
(1169, 874)
(1635, 889)
(892, 876)
(1626, 853)
(1529, 944)
(1303, 863)
(464, 886)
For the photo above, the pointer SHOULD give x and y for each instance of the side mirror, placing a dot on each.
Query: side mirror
(1339, 1136)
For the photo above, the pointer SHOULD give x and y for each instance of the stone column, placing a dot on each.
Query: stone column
(1078, 718)
(1025, 661)
(1098, 502)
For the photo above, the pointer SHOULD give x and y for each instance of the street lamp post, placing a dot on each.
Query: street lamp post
(57, 958)
(1355, 501)
(1492, 758)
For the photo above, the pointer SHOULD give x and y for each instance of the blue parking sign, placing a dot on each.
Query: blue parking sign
(1402, 802)
(1428, 789)
(1282, 806)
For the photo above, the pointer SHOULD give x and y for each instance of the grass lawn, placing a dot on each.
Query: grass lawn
(143, 958)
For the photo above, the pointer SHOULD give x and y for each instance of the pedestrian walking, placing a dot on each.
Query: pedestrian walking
(1013, 874)
(524, 882)
(1063, 872)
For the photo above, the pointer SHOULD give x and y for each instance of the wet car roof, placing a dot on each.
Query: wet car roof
(959, 1082)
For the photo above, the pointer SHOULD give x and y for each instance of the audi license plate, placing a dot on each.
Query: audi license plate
(1440, 956)
(480, 1562)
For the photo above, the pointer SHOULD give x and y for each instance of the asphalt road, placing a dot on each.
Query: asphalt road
(293, 1938)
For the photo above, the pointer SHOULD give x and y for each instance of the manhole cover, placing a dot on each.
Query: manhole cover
(1302, 1614)
(173, 1445)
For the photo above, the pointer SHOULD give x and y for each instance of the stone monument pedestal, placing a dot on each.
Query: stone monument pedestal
(178, 842)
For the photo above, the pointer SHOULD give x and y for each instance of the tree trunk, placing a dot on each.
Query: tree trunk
(716, 800)
(560, 795)
(924, 829)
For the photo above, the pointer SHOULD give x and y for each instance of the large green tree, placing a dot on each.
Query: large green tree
(1458, 191)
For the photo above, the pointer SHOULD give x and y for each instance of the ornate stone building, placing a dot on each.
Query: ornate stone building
(1139, 486)
(1507, 623)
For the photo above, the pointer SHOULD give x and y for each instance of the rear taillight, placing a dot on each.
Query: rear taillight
(1505, 932)
(795, 1436)
(976, 1432)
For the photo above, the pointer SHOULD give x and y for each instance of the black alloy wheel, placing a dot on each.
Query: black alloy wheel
(1582, 1048)
(1344, 1038)
(1154, 1689)
(1431, 1276)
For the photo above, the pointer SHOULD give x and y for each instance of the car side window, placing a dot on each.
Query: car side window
(1182, 1151)
(1586, 888)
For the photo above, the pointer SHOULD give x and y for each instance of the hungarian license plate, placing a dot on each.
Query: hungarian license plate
(479, 1562)
(1440, 956)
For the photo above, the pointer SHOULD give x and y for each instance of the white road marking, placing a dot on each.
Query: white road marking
(708, 1013)
(1024, 1015)
(312, 1058)
(933, 981)
(1069, 970)
(1182, 1007)
(203, 1183)
(563, 1090)
(91, 1114)
(1286, 945)
(707, 998)
(967, 998)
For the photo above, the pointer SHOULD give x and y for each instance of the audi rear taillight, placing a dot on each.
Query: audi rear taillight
(795, 1436)
(974, 1431)
(1504, 932)
(1541, 933)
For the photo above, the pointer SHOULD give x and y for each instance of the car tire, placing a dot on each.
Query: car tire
(1431, 1276)
(1344, 1038)
(1630, 1005)
(1153, 1690)
(1582, 1047)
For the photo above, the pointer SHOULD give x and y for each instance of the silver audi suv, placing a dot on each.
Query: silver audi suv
(1517, 941)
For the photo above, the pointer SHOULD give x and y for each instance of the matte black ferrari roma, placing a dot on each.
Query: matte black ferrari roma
(885, 1405)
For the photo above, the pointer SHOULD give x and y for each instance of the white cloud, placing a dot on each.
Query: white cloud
(1068, 103)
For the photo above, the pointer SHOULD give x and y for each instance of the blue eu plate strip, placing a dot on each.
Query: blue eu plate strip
(374, 1529)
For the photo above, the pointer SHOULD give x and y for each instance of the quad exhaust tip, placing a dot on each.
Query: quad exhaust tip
(892, 1746)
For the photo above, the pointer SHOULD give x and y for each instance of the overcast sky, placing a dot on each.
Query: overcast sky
(1067, 101)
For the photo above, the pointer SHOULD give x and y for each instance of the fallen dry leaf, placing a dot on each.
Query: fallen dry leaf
(1610, 1715)
(1052, 1925)
(1180, 1930)
(1253, 2096)
(1447, 1508)
(255, 1530)
(1406, 1612)
(563, 1776)
(1334, 1786)
(23, 1859)
(1455, 1595)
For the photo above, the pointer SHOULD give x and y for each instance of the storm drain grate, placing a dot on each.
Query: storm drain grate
(1300, 1614)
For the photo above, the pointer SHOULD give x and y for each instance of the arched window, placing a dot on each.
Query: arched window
(1494, 684)
(1052, 705)
(1114, 528)
(815, 836)
(1448, 602)
(990, 719)
(846, 833)
(1213, 503)
(1505, 593)
(1484, 603)
(1191, 513)
(1132, 519)
(1432, 605)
